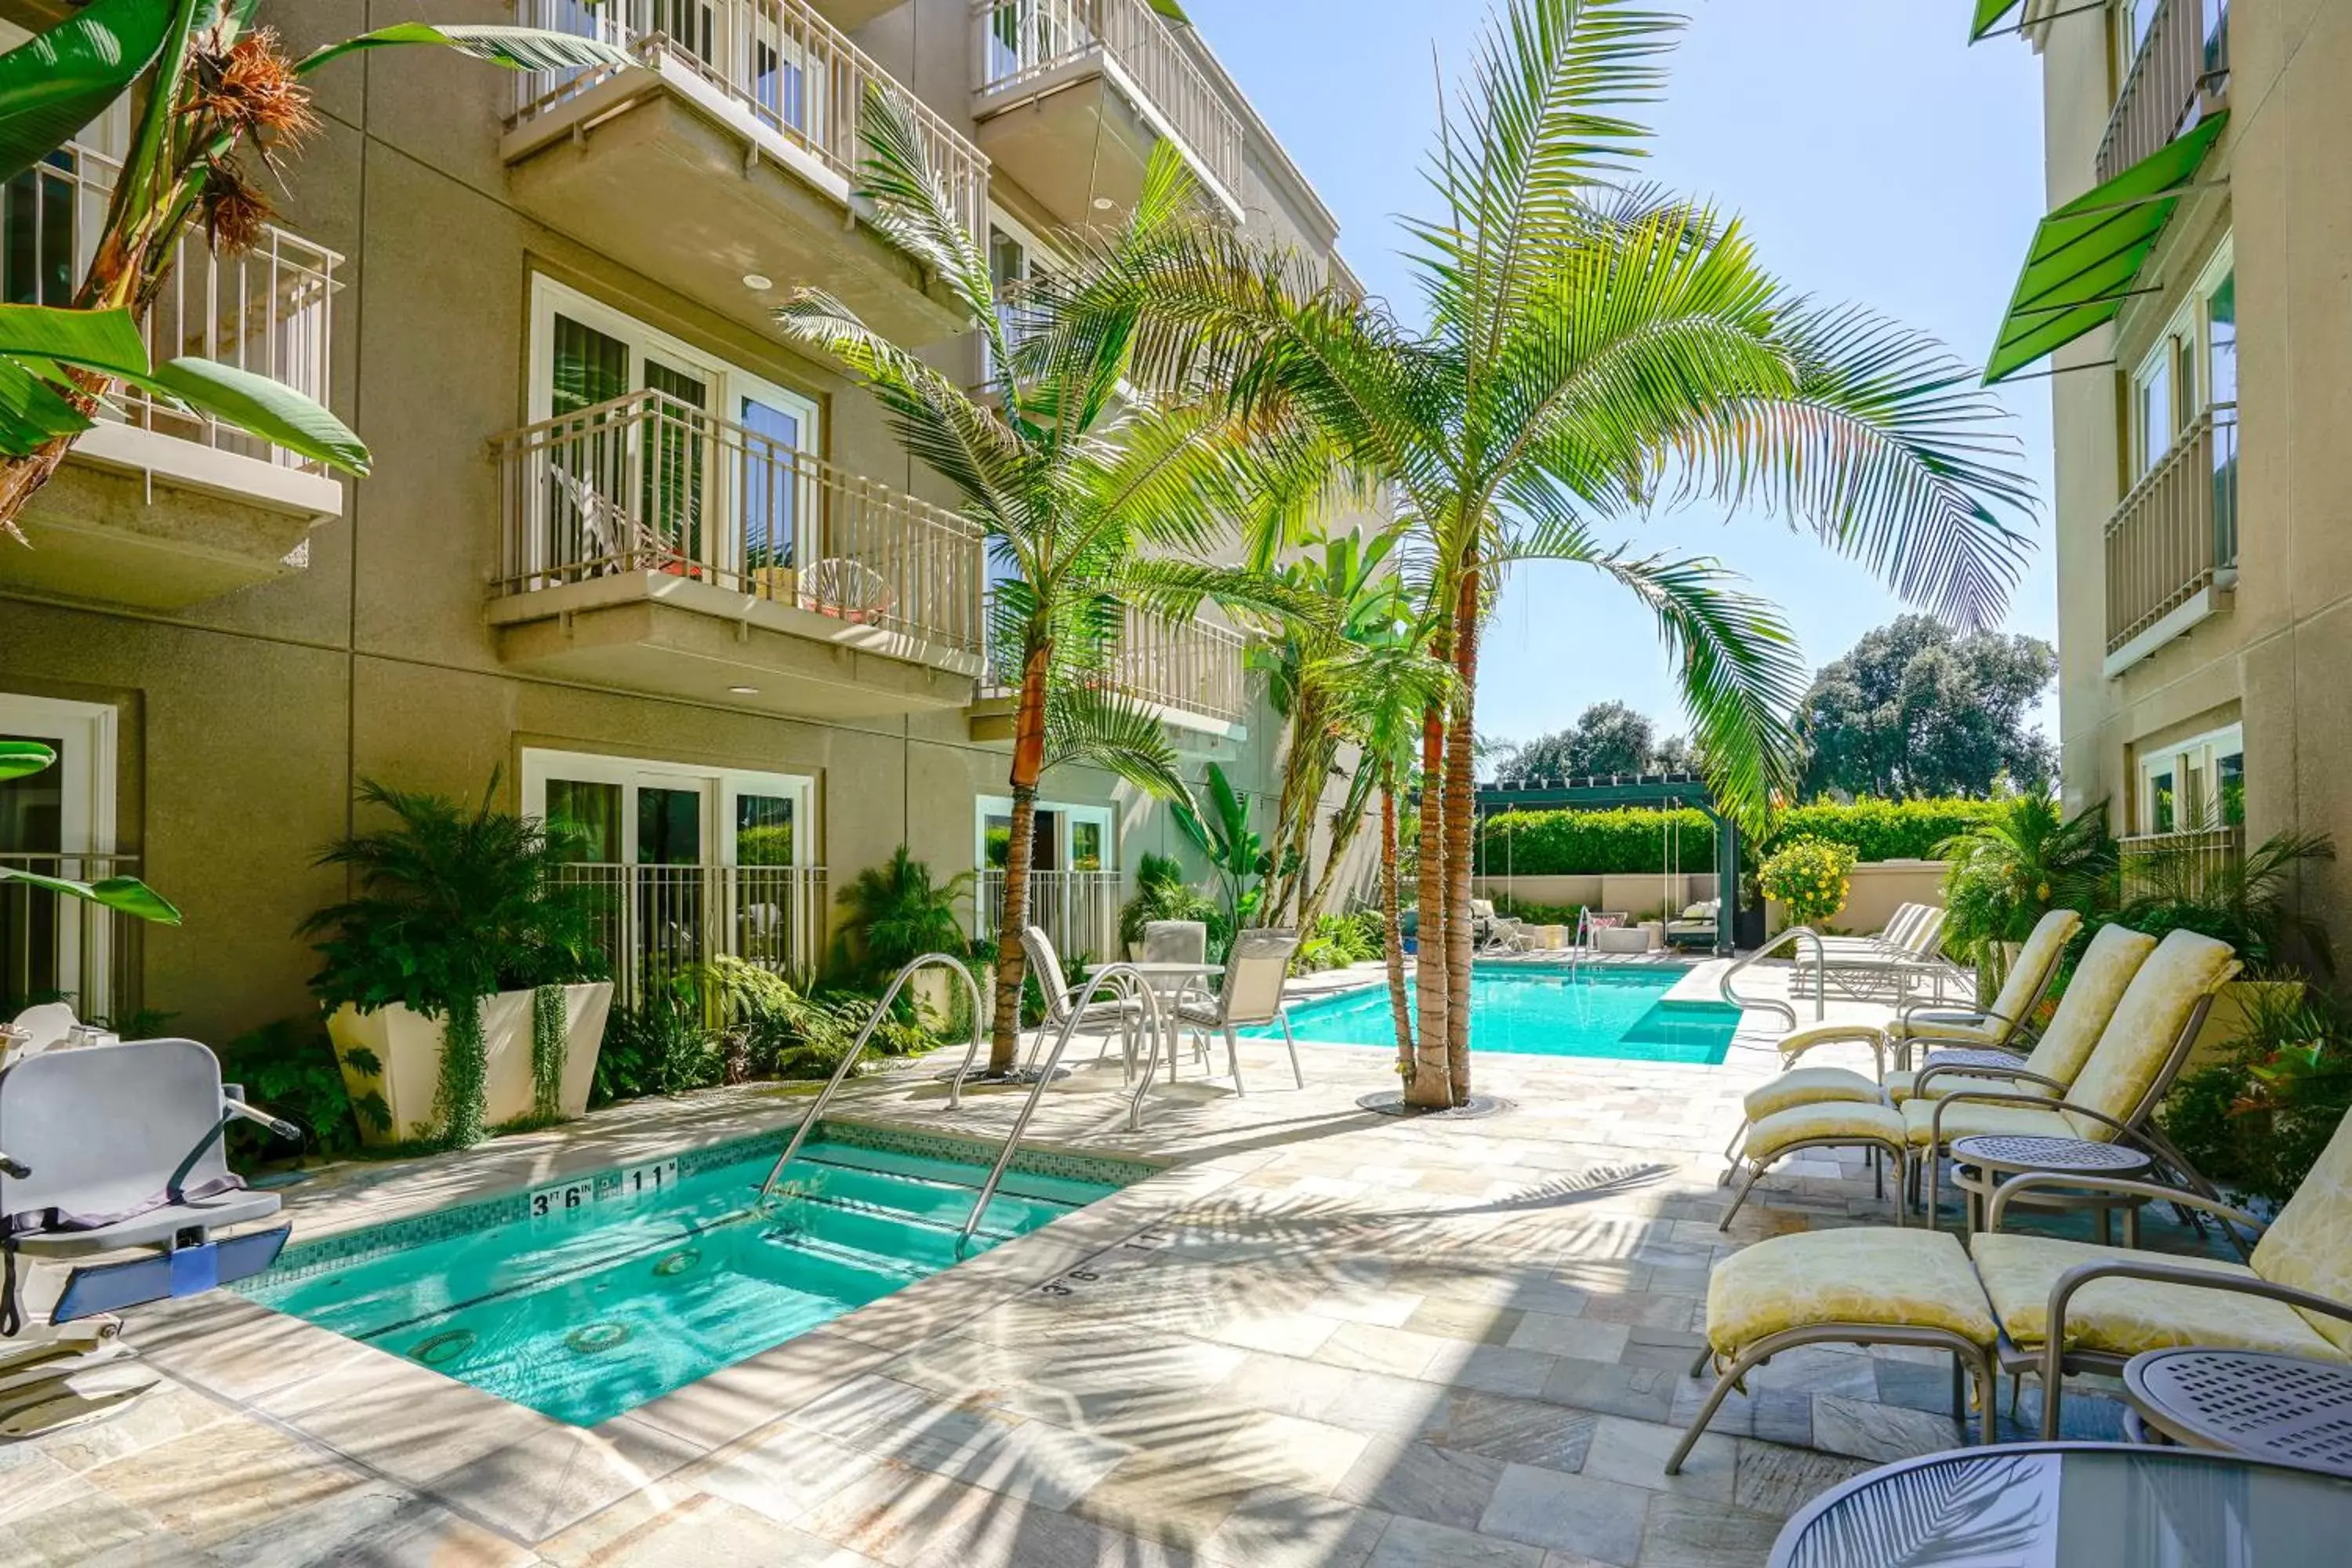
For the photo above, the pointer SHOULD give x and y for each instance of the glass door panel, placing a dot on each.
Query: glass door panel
(586, 816)
(776, 496)
(676, 468)
(673, 917)
(1089, 842)
(764, 830)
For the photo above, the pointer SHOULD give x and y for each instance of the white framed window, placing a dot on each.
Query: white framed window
(2192, 366)
(1068, 838)
(2193, 785)
(627, 811)
(58, 822)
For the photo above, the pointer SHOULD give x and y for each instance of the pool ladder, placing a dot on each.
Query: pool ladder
(1124, 979)
(1772, 1005)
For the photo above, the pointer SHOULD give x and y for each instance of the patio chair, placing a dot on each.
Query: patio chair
(847, 590)
(1046, 964)
(1175, 941)
(1508, 934)
(2039, 1304)
(36, 1029)
(2139, 1052)
(115, 1193)
(1890, 964)
(1482, 920)
(2115, 956)
(615, 538)
(1256, 973)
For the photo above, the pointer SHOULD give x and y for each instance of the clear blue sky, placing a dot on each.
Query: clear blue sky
(1874, 158)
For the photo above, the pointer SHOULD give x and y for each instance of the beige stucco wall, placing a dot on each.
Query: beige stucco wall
(2275, 659)
(247, 720)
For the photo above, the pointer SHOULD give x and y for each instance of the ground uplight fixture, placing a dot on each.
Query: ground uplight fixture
(743, 692)
(1104, 204)
(759, 282)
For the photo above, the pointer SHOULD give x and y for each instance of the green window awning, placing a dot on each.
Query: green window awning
(2087, 255)
(1990, 13)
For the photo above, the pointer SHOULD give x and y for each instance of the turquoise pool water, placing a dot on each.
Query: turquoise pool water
(584, 1312)
(1599, 1010)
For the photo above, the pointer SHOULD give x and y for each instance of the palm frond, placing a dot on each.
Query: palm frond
(912, 207)
(1086, 723)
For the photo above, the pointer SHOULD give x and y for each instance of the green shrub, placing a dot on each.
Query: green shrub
(1337, 942)
(1161, 893)
(1535, 914)
(894, 913)
(288, 1069)
(2257, 1123)
(1810, 877)
(1628, 841)
(664, 1044)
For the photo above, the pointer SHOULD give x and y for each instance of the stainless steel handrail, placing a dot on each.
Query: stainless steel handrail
(1132, 985)
(849, 1061)
(1821, 976)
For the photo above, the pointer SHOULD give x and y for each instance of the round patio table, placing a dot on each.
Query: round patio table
(1980, 1162)
(2075, 1505)
(1170, 982)
(2266, 1406)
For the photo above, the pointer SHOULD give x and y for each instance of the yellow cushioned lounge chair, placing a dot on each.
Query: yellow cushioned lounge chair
(2001, 1027)
(2139, 1052)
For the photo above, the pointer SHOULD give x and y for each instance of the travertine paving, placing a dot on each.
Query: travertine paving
(1320, 1337)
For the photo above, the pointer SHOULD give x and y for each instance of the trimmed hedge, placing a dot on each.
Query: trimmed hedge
(1628, 841)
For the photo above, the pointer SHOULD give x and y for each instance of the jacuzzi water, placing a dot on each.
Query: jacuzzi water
(1597, 1010)
(638, 1287)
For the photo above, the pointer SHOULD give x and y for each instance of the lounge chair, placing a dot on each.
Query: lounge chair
(1889, 963)
(2116, 955)
(2140, 1050)
(1508, 934)
(115, 1193)
(1256, 973)
(2038, 1304)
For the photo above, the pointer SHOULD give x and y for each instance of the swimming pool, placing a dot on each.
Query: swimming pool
(1599, 1010)
(590, 1297)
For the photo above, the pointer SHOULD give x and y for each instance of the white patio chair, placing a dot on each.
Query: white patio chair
(615, 539)
(1046, 964)
(1256, 970)
(847, 590)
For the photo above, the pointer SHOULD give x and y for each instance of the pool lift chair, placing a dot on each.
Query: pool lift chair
(115, 1191)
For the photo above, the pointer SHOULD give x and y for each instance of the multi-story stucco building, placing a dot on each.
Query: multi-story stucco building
(669, 578)
(2192, 280)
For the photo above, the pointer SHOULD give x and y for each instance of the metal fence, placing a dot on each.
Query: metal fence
(1079, 909)
(1024, 39)
(646, 483)
(2185, 866)
(1193, 666)
(658, 921)
(2177, 531)
(2184, 55)
(269, 310)
(53, 948)
(789, 69)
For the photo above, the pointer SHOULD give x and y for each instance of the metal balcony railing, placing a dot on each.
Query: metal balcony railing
(269, 310)
(1079, 909)
(2183, 60)
(1193, 666)
(656, 922)
(2189, 865)
(1025, 39)
(646, 483)
(793, 71)
(2176, 532)
(56, 949)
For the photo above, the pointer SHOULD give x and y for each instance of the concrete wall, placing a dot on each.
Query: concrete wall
(1633, 894)
(1875, 891)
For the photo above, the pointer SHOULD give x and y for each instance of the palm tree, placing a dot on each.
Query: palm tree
(1591, 352)
(219, 95)
(1069, 464)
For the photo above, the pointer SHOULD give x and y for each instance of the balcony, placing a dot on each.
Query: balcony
(55, 947)
(1079, 909)
(656, 922)
(2172, 545)
(730, 151)
(1074, 94)
(647, 545)
(2191, 866)
(851, 14)
(159, 507)
(1192, 674)
(2181, 75)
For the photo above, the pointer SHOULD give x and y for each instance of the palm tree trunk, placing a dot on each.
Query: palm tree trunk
(1346, 823)
(1397, 1011)
(1461, 823)
(1028, 766)
(1431, 1087)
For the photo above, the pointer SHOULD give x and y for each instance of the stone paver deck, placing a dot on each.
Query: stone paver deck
(1320, 1337)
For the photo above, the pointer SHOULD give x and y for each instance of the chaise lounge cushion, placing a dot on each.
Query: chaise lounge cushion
(1908, 1278)
(2042, 951)
(1830, 1123)
(2184, 969)
(2309, 1246)
(1810, 1085)
(2125, 1317)
(1980, 1120)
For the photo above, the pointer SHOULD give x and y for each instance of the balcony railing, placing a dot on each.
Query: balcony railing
(2183, 59)
(2185, 866)
(646, 483)
(794, 73)
(656, 922)
(2176, 532)
(56, 949)
(1193, 666)
(1025, 39)
(269, 310)
(1079, 909)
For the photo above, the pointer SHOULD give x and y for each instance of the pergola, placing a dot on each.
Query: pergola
(1661, 792)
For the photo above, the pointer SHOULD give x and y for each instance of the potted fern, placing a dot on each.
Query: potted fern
(464, 980)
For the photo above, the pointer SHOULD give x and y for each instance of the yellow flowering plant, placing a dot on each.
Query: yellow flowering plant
(1810, 877)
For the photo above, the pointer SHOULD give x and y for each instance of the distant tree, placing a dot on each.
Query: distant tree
(1916, 710)
(1608, 738)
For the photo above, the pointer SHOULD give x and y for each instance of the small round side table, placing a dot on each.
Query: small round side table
(1981, 1161)
(2266, 1406)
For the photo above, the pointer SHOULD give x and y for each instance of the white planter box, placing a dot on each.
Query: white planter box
(407, 1049)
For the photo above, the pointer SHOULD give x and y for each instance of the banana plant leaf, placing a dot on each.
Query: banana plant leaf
(21, 759)
(126, 895)
(269, 409)
(517, 49)
(65, 76)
